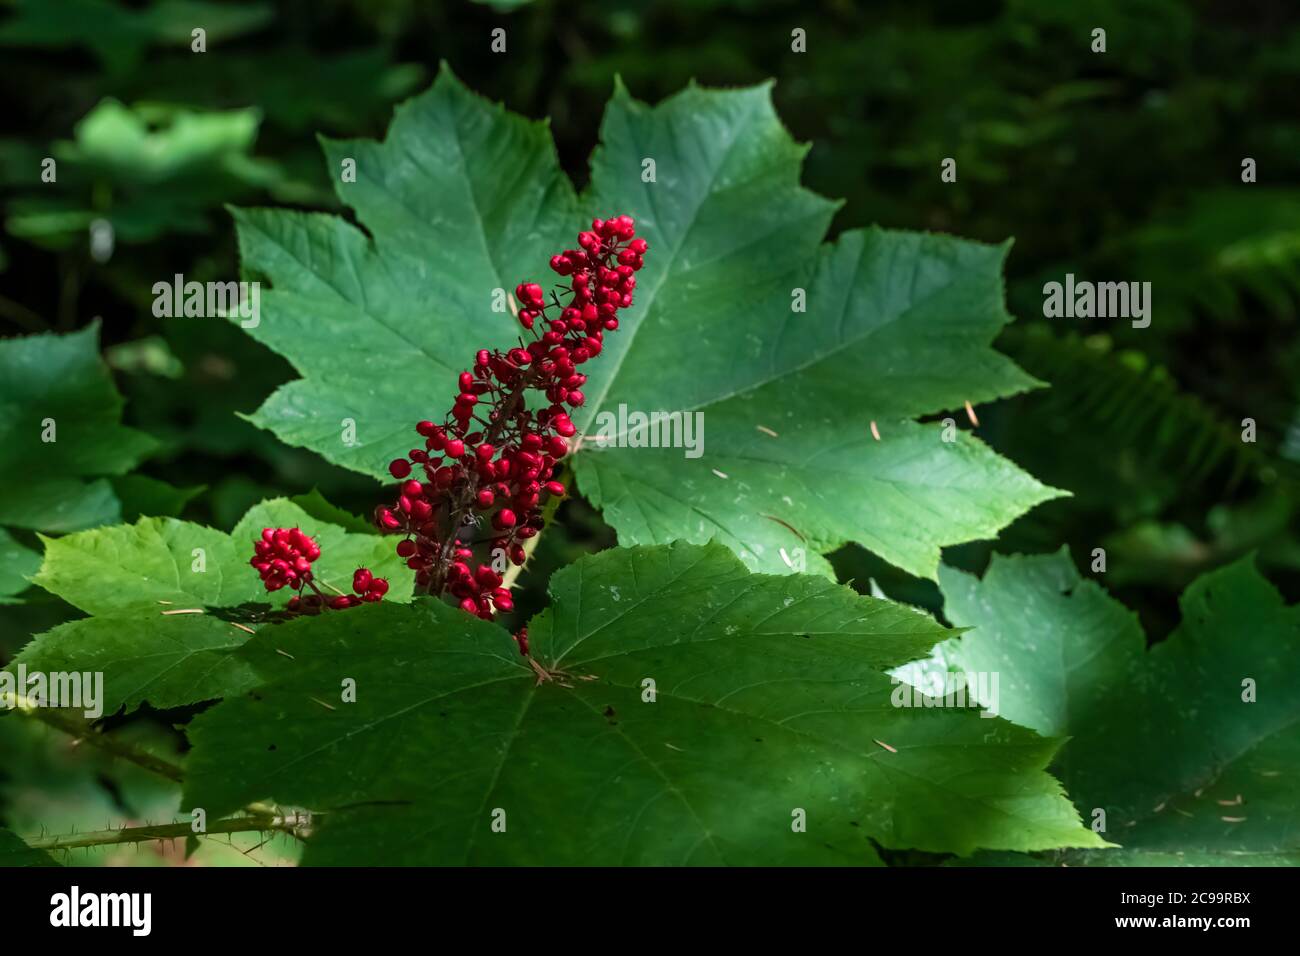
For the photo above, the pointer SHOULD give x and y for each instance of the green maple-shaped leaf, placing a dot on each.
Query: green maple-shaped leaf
(698, 712)
(60, 429)
(1186, 769)
(157, 591)
(463, 198)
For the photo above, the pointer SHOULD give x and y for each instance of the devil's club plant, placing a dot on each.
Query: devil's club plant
(493, 457)
(664, 685)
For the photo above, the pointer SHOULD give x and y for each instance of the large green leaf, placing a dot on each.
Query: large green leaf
(447, 233)
(463, 198)
(768, 695)
(1161, 740)
(134, 579)
(60, 424)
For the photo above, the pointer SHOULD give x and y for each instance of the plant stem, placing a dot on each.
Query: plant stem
(289, 823)
(81, 729)
(512, 573)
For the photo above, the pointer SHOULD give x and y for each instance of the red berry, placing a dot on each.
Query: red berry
(283, 558)
(399, 468)
(361, 580)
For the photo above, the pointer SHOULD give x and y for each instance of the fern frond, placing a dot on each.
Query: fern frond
(1135, 404)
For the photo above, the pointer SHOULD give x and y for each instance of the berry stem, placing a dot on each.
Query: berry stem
(513, 572)
(463, 505)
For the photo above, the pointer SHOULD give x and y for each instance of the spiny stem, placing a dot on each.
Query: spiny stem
(289, 823)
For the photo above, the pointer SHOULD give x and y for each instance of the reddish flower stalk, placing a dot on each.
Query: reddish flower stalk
(493, 457)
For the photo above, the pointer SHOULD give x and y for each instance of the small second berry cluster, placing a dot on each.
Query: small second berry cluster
(283, 558)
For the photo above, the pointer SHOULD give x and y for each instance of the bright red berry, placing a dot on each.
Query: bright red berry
(361, 580)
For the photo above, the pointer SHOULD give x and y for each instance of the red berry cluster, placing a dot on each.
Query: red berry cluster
(492, 457)
(284, 556)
